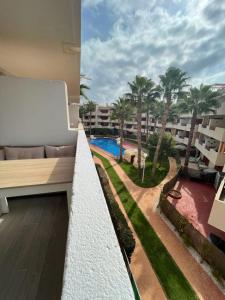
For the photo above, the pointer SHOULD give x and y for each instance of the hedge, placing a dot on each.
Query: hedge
(123, 231)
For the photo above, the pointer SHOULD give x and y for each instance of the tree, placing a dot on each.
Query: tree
(84, 87)
(157, 112)
(149, 102)
(82, 112)
(139, 90)
(197, 101)
(167, 144)
(122, 112)
(172, 84)
(82, 92)
(90, 107)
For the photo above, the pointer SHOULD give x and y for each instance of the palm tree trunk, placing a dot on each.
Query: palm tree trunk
(191, 134)
(139, 135)
(147, 116)
(162, 131)
(121, 140)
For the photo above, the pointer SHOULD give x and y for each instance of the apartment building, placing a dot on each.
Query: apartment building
(209, 134)
(69, 251)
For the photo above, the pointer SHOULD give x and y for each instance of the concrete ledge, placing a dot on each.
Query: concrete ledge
(94, 266)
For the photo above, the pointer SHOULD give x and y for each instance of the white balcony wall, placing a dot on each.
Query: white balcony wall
(217, 213)
(94, 266)
(218, 133)
(34, 112)
(215, 158)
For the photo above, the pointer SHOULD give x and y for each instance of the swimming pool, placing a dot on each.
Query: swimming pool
(107, 144)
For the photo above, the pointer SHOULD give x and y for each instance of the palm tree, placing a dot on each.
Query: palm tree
(82, 92)
(90, 106)
(84, 87)
(122, 112)
(157, 109)
(139, 90)
(172, 84)
(82, 112)
(149, 102)
(197, 102)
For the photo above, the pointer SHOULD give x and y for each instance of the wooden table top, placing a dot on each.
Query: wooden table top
(28, 172)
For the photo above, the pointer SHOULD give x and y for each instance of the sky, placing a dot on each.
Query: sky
(125, 38)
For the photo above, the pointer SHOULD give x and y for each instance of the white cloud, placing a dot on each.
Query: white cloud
(147, 37)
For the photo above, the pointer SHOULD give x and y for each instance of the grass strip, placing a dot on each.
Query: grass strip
(172, 280)
(133, 174)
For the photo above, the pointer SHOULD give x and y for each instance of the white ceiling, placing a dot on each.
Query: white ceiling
(41, 39)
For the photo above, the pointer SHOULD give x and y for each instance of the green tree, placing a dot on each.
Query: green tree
(166, 146)
(82, 112)
(90, 107)
(172, 85)
(198, 101)
(84, 87)
(139, 90)
(122, 112)
(149, 102)
(157, 110)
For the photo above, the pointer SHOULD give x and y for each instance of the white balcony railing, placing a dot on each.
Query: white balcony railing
(216, 158)
(217, 213)
(94, 265)
(217, 133)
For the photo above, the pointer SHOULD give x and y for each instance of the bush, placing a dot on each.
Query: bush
(167, 145)
(124, 233)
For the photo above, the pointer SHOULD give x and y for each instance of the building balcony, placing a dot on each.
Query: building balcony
(217, 133)
(100, 113)
(215, 158)
(217, 213)
(180, 139)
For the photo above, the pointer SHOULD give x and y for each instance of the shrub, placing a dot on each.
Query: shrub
(124, 233)
(166, 146)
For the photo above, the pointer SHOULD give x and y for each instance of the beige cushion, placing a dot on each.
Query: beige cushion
(24, 152)
(2, 154)
(61, 151)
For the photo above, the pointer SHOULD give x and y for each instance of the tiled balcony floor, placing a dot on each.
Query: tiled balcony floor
(195, 204)
(32, 247)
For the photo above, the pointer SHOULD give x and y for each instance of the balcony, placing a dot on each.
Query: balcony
(33, 245)
(215, 158)
(217, 133)
(93, 254)
(180, 139)
(217, 214)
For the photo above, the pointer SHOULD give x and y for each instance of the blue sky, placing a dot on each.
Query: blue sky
(123, 38)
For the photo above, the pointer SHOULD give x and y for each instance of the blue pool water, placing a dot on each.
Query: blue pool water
(108, 145)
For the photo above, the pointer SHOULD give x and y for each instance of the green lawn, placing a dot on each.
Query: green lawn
(174, 283)
(132, 172)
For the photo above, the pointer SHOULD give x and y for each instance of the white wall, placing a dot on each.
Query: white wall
(94, 266)
(33, 112)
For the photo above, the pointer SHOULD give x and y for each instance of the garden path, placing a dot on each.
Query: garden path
(147, 200)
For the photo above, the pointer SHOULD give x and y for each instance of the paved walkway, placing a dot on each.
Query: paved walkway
(145, 278)
(147, 200)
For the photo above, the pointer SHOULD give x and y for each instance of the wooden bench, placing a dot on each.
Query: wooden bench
(35, 176)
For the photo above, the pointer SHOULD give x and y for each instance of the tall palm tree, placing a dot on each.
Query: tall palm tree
(157, 110)
(82, 112)
(172, 84)
(122, 112)
(198, 101)
(90, 107)
(149, 102)
(84, 87)
(139, 90)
